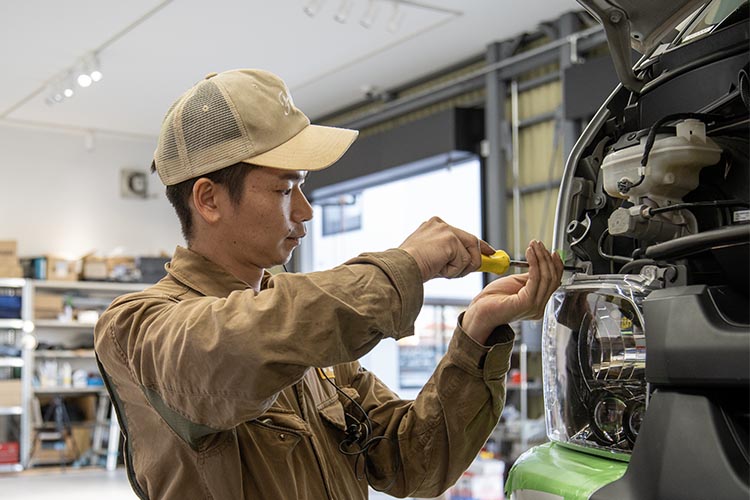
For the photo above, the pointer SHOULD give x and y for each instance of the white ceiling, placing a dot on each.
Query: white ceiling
(154, 50)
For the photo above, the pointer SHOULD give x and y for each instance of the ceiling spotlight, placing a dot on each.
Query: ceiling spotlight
(84, 80)
(343, 13)
(96, 75)
(370, 14)
(312, 7)
(68, 91)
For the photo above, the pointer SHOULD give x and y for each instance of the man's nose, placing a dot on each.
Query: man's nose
(302, 211)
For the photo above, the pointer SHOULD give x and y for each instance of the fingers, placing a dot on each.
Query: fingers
(465, 252)
(486, 248)
(443, 250)
(545, 272)
(550, 271)
(469, 247)
(534, 281)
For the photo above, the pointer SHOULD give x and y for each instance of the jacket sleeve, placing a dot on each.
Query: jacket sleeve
(218, 362)
(432, 440)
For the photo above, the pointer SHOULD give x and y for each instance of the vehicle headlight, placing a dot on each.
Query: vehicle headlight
(594, 355)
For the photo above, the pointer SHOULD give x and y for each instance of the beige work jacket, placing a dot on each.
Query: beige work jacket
(217, 398)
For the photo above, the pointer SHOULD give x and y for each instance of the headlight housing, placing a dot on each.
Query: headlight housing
(594, 355)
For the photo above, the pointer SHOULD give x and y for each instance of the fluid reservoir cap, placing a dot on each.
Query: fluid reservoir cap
(691, 130)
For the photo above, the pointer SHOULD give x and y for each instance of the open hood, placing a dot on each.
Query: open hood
(641, 24)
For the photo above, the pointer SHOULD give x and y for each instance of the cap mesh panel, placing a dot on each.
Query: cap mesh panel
(210, 128)
(168, 160)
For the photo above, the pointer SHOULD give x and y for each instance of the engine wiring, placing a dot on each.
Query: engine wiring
(612, 258)
(695, 204)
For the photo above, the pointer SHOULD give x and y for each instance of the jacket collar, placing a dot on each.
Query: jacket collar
(204, 275)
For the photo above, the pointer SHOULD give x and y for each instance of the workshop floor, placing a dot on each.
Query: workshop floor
(70, 484)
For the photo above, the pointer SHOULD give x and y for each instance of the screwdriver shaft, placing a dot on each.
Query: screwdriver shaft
(523, 263)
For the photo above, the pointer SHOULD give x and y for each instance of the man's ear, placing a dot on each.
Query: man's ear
(207, 200)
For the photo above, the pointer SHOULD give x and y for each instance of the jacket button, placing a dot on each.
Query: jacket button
(282, 436)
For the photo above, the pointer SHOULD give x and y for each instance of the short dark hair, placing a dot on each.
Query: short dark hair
(232, 177)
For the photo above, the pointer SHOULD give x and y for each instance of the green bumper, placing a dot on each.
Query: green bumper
(568, 474)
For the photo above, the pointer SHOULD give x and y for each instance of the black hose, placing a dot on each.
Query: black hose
(614, 258)
(636, 265)
(695, 243)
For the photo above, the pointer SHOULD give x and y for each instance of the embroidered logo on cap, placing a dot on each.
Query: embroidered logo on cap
(286, 102)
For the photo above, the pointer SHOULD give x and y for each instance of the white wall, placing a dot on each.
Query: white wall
(62, 198)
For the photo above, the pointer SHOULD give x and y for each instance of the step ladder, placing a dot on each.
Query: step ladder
(106, 424)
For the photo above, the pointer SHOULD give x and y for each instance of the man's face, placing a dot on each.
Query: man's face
(268, 223)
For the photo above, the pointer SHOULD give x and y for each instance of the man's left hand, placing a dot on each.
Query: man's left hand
(515, 297)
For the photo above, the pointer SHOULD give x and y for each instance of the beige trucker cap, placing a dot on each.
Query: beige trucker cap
(243, 115)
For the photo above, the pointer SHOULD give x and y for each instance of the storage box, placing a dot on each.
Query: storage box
(52, 447)
(121, 268)
(12, 270)
(59, 269)
(9, 265)
(152, 268)
(10, 306)
(82, 438)
(48, 305)
(8, 249)
(10, 392)
(10, 453)
(50, 267)
(95, 268)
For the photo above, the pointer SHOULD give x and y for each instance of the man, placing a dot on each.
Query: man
(230, 383)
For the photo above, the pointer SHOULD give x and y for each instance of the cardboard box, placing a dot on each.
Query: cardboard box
(11, 271)
(48, 305)
(50, 267)
(8, 249)
(121, 268)
(9, 265)
(52, 447)
(95, 268)
(10, 392)
(82, 438)
(59, 269)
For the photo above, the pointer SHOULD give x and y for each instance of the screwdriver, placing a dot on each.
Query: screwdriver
(500, 261)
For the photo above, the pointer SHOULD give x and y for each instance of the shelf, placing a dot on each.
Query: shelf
(10, 410)
(67, 325)
(77, 353)
(96, 286)
(12, 282)
(54, 391)
(11, 324)
(8, 361)
(11, 467)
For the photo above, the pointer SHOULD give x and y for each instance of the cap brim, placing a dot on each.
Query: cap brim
(314, 148)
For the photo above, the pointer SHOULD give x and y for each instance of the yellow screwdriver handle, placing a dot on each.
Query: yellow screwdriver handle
(497, 263)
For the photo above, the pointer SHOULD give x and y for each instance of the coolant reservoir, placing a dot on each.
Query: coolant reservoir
(673, 167)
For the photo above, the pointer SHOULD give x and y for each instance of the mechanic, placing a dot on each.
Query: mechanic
(231, 383)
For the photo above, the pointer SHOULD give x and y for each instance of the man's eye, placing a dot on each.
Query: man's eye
(286, 192)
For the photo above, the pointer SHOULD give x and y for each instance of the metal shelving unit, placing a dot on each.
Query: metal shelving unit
(61, 331)
(15, 326)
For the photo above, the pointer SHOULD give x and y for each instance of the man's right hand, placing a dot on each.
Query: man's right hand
(442, 250)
